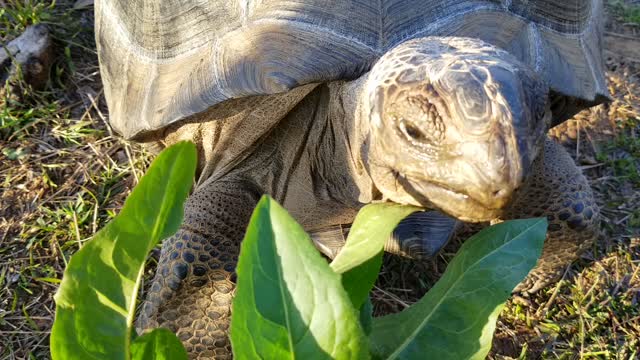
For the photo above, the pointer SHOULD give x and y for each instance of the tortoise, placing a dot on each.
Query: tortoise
(330, 105)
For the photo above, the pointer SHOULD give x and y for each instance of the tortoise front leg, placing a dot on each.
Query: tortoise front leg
(558, 190)
(193, 287)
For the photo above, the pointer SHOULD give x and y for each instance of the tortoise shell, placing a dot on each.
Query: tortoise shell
(162, 61)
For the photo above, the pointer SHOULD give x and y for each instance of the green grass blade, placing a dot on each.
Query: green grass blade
(360, 260)
(456, 318)
(96, 300)
(289, 303)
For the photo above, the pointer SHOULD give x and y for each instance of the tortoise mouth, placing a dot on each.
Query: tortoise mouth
(456, 203)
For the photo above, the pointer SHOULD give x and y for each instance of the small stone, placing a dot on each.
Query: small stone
(30, 54)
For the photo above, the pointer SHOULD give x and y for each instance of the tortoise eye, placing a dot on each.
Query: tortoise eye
(413, 132)
(417, 120)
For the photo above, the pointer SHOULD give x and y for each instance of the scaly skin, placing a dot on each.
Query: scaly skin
(558, 190)
(193, 287)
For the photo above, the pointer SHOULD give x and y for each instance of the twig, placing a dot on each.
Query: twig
(542, 312)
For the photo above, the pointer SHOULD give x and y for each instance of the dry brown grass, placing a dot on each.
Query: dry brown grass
(64, 175)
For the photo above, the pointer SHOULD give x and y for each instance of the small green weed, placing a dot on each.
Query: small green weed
(17, 15)
(628, 13)
(22, 108)
(18, 118)
(623, 152)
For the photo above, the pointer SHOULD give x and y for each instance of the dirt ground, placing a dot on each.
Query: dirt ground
(64, 174)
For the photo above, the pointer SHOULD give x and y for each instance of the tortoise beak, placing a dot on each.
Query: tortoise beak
(494, 170)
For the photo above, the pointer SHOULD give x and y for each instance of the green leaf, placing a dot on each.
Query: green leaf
(456, 319)
(95, 303)
(366, 316)
(159, 344)
(289, 303)
(358, 281)
(360, 260)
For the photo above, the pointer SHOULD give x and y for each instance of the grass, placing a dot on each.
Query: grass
(623, 153)
(63, 175)
(17, 15)
(628, 13)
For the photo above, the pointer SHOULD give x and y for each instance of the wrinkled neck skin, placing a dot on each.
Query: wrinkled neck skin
(310, 161)
(352, 119)
(336, 166)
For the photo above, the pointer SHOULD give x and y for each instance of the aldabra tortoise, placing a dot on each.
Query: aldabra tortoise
(328, 105)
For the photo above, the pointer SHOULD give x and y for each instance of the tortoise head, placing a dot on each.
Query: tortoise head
(454, 124)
